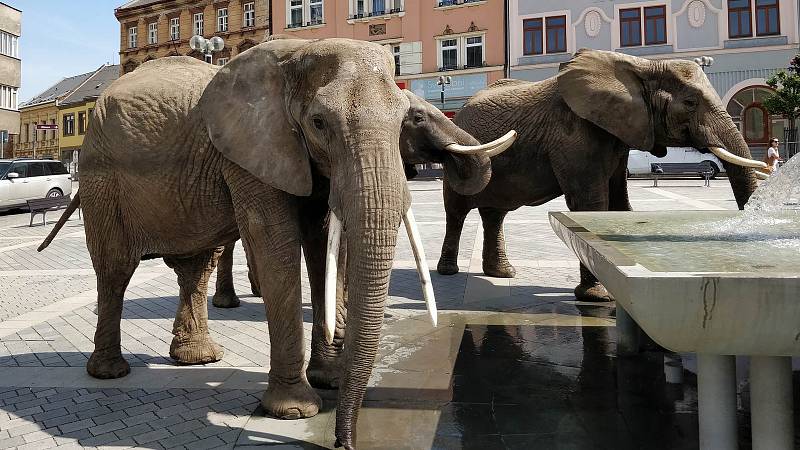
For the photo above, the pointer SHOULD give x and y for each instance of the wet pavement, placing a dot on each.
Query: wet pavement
(514, 363)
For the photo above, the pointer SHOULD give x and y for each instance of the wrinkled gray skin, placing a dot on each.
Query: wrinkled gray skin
(575, 130)
(183, 157)
(225, 294)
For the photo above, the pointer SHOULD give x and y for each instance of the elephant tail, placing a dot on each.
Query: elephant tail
(73, 205)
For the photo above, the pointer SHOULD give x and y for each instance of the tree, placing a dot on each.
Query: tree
(785, 100)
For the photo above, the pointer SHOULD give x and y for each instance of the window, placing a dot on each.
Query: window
(396, 52)
(295, 13)
(132, 37)
(34, 132)
(249, 15)
(222, 61)
(53, 131)
(632, 32)
(315, 8)
(556, 29)
(8, 97)
(378, 7)
(475, 51)
(739, 19)
(69, 124)
(630, 22)
(747, 112)
(55, 168)
(532, 30)
(20, 168)
(449, 54)
(82, 122)
(222, 19)
(767, 18)
(152, 33)
(360, 8)
(175, 28)
(9, 44)
(35, 169)
(198, 24)
(655, 25)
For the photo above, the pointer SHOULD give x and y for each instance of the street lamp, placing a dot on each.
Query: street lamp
(704, 61)
(207, 46)
(443, 81)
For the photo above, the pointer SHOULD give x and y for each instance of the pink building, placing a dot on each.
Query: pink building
(463, 39)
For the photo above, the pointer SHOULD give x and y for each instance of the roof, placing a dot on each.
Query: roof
(58, 90)
(9, 6)
(138, 3)
(94, 85)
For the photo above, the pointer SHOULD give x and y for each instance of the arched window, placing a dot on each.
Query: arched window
(747, 112)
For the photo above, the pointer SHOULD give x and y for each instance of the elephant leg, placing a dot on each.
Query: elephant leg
(192, 344)
(254, 288)
(495, 261)
(114, 264)
(225, 295)
(268, 223)
(326, 360)
(456, 210)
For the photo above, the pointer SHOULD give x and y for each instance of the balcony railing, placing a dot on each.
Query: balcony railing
(383, 12)
(443, 3)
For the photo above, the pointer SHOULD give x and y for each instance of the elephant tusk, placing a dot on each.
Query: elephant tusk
(761, 175)
(422, 265)
(725, 155)
(331, 265)
(489, 149)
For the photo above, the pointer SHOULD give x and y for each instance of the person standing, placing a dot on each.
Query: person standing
(772, 155)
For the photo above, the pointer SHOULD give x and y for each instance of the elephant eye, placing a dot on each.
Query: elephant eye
(690, 103)
(318, 122)
(419, 118)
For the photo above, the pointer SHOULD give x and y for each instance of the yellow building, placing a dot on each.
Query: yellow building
(75, 111)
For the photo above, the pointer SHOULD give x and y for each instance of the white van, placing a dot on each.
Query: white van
(639, 161)
(30, 179)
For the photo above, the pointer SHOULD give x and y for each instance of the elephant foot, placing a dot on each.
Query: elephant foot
(447, 267)
(592, 292)
(500, 269)
(195, 350)
(296, 400)
(255, 290)
(324, 374)
(225, 299)
(347, 443)
(106, 367)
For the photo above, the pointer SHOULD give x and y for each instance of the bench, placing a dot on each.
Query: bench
(702, 169)
(44, 205)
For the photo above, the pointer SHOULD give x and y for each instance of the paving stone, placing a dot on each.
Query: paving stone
(12, 442)
(99, 411)
(107, 427)
(151, 436)
(136, 410)
(50, 414)
(75, 426)
(210, 442)
(110, 417)
(133, 431)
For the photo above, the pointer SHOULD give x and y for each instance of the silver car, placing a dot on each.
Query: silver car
(29, 179)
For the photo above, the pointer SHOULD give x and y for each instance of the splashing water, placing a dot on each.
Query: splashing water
(781, 192)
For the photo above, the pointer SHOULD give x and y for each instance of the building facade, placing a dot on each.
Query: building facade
(75, 112)
(748, 39)
(10, 32)
(42, 110)
(463, 39)
(150, 29)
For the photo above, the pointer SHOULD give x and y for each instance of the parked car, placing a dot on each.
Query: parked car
(29, 179)
(639, 161)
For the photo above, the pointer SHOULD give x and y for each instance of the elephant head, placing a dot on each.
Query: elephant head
(287, 104)
(650, 105)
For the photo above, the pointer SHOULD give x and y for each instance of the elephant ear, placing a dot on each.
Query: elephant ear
(606, 89)
(245, 108)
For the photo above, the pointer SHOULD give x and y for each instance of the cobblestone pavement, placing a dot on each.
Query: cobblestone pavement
(47, 322)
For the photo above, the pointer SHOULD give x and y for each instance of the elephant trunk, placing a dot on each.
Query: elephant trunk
(371, 220)
(742, 179)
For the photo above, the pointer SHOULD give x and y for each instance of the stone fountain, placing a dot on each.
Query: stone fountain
(715, 283)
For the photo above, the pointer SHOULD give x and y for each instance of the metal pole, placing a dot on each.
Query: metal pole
(442, 95)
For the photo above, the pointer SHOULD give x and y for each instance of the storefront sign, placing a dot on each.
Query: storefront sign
(461, 86)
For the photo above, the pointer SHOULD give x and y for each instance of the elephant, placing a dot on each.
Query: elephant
(575, 131)
(183, 157)
(225, 295)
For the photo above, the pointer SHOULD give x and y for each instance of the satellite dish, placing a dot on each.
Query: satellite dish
(216, 44)
(197, 43)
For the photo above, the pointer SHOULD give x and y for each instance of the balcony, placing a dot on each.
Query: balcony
(305, 26)
(449, 4)
(375, 15)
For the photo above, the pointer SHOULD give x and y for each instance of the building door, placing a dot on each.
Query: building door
(754, 122)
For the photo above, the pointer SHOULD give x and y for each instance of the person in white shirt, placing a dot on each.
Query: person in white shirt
(772, 155)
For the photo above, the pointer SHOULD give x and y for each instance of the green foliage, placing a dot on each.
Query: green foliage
(786, 98)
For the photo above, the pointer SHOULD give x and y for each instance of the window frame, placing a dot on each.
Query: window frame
(222, 20)
(133, 36)
(630, 21)
(292, 8)
(534, 30)
(312, 3)
(766, 9)
(249, 15)
(69, 125)
(152, 33)
(564, 28)
(370, 11)
(175, 28)
(81, 122)
(223, 61)
(654, 19)
(738, 11)
(442, 49)
(396, 53)
(198, 23)
(467, 46)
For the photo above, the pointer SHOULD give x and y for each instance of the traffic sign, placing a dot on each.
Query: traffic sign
(45, 126)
